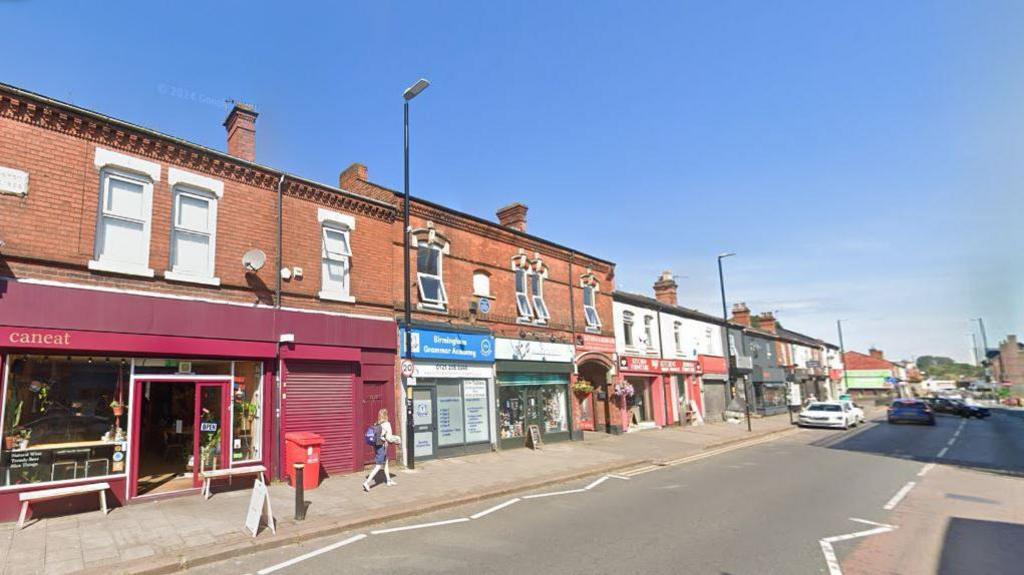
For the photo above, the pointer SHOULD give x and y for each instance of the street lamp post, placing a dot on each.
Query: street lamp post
(842, 356)
(725, 341)
(410, 451)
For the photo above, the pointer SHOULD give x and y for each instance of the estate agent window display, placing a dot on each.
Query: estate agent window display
(64, 418)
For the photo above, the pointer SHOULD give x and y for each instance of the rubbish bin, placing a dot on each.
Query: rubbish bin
(303, 447)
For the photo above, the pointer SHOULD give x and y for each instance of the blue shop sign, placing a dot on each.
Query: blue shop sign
(430, 344)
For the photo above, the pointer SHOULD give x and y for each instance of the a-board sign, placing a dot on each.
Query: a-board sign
(698, 419)
(258, 502)
(533, 437)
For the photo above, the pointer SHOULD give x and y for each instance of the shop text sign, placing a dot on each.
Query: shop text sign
(443, 369)
(13, 181)
(655, 365)
(526, 350)
(37, 338)
(430, 344)
(601, 343)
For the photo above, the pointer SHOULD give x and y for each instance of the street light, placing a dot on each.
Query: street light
(410, 450)
(725, 340)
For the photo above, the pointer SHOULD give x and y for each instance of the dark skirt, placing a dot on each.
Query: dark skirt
(382, 454)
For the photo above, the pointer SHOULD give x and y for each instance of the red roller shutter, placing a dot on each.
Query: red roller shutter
(318, 397)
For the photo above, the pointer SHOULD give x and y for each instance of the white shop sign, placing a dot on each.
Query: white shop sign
(451, 369)
(13, 181)
(526, 350)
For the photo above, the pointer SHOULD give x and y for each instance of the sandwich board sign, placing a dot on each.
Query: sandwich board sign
(258, 502)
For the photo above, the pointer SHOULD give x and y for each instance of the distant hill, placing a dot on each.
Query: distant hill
(939, 367)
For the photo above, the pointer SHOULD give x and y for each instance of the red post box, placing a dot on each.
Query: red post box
(303, 447)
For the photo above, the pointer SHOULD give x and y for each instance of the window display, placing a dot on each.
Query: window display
(511, 423)
(477, 422)
(449, 415)
(64, 418)
(524, 405)
(769, 395)
(247, 411)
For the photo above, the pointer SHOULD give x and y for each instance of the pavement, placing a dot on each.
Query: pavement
(167, 535)
(883, 498)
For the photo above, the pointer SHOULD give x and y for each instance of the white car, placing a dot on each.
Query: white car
(828, 414)
(856, 409)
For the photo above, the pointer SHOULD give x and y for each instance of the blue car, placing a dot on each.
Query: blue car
(911, 410)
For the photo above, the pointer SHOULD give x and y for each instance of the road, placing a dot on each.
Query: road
(767, 508)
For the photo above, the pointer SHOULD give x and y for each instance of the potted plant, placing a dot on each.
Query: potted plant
(24, 434)
(117, 407)
(13, 418)
(583, 387)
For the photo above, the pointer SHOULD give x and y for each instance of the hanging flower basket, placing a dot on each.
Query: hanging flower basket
(583, 387)
(623, 390)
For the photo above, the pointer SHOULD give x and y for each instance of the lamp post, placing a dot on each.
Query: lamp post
(725, 340)
(410, 449)
(842, 356)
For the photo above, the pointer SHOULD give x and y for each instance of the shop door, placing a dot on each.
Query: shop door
(424, 426)
(180, 434)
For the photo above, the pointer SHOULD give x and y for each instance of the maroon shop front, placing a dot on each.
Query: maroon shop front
(660, 388)
(145, 392)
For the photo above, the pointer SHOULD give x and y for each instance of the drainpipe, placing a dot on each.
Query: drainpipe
(280, 232)
(661, 355)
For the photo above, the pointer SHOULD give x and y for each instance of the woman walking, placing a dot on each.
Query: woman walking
(382, 437)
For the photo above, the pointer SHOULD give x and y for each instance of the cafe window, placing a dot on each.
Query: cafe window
(247, 411)
(64, 418)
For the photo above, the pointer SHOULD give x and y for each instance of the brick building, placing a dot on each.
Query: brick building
(136, 344)
(499, 318)
(1007, 364)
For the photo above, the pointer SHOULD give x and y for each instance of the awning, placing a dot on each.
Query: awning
(507, 366)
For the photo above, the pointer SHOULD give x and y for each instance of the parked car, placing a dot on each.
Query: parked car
(828, 414)
(973, 410)
(911, 410)
(856, 409)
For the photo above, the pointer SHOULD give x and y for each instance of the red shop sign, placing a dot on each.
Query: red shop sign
(655, 365)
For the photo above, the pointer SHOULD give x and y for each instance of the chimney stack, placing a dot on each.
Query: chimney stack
(353, 177)
(666, 289)
(876, 353)
(766, 322)
(741, 314)
(241, 126)
(513, 216)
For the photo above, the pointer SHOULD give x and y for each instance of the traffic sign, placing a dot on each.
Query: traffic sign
(407, 368)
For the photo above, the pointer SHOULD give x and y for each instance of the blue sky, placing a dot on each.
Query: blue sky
(865, 160)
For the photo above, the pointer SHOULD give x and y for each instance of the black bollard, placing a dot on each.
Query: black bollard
(300, 492)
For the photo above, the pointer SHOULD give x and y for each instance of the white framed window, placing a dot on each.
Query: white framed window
(523, 306)
(537, 287)
(481, 284)
(627, 328)
(429, 268)
(193, 227)
(590, 307)
(123, 226)
(335, 255)
(648, 332)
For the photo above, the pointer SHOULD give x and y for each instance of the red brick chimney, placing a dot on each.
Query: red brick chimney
(766, 322)
(241, 126)
(353, 177)
(876, 353)
(666, 289)
(741, 314)
(513, 216)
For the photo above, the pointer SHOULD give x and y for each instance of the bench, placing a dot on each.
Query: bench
(209, 476)
(59, 492)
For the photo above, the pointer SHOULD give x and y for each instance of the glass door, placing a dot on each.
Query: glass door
(423, 424)
(208, 448)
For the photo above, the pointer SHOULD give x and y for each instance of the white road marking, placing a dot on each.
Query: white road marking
(942, 453)
(495, 508)
(956, 433)
(311, 554)
(596, 482)
(622, 477)
(553, 493)
(419, 526)
(951, 442)
(924, 470)
(829, 551)
(899, 496)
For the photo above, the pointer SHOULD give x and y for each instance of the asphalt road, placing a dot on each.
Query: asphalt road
(759, 509)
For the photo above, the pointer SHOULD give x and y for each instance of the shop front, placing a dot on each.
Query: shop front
(769, 390)
(91, 391)
(657, 389)
(593, 405)
(452, 390)
(714, 382)
(533, 390)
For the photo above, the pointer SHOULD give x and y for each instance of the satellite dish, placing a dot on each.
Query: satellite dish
(253, 260)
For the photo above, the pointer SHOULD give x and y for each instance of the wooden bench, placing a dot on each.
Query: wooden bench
(59, 492)
(208, 476)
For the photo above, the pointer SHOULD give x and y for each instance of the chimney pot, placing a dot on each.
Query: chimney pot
(666, 290)
(766, 321)
(741, 314)
(241, 127)
(513, 216)
(876, 353)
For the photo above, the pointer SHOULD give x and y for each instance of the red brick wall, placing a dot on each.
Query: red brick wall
(50, 233)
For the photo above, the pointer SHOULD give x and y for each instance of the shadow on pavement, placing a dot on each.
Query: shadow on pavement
(922, 443)
(977, 546)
